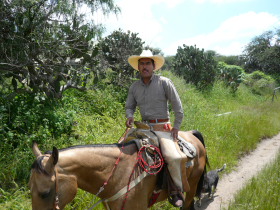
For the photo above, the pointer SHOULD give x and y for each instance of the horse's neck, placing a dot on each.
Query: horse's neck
(88, 157)
(93, 165)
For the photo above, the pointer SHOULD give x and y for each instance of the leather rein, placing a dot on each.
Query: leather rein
(56, 200)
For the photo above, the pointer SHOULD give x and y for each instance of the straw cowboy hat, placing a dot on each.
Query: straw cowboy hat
(133, 60)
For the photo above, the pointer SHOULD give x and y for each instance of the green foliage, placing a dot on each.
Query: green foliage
(231, 60)
(97, 116)
(114, 51)
(168, 62)
(8, 201)
(24, 119)
(47, 46)
(260, 83)
(231, 75)
(262, 191)
(195, 66)
(263, 53)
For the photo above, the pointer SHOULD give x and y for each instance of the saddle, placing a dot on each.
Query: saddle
(144, 136)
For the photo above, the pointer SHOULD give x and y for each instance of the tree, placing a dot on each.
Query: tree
(263, 53)
(195, 66)
(231, 60)
(168, 63)
(114, 52)
(47, 46)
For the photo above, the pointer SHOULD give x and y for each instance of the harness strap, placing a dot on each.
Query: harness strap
(124, 190)
(56, 202)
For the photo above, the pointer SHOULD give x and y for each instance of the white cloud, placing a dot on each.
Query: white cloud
(232, 35)
(138, 17)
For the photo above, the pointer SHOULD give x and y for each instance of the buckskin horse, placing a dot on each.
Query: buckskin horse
(104, 170)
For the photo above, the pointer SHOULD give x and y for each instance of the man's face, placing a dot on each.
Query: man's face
(146, 67)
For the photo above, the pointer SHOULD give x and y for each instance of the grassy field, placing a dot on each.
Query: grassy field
(262, 192)
(97, 119)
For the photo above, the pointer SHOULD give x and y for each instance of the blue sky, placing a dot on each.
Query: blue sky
(224, 26)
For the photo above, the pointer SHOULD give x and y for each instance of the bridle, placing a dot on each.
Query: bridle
(56, 200)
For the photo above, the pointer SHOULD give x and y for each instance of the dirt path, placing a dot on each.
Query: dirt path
(248, 167)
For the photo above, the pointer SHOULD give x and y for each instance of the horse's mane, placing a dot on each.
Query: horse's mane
(37, 166)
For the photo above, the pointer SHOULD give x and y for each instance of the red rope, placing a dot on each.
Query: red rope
(150, 169)
(158, 160)
(116, 163)
(112, 171)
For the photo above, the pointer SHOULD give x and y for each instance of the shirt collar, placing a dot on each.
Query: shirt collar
(153, 76)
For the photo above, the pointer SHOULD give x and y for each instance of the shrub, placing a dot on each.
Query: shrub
(24, 119)
(260, 83)
(230, 74)
(195, 66)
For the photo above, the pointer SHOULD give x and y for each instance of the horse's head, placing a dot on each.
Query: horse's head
(42, 181)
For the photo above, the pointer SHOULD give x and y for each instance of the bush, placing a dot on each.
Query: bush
(24, 119)
(260, 83)
(195, 66)
(230, 74)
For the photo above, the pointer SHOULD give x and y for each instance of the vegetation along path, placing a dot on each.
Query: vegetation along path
(248, 167)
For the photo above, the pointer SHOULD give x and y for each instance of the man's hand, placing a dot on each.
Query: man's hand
(129, 122)
(174, 133)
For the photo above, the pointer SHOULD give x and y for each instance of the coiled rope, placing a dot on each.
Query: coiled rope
(155, 154)
(158, 163)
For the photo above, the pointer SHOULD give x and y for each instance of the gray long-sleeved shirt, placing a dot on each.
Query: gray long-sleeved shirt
(153, 98)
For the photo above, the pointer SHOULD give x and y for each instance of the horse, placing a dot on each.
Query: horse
(103, 170)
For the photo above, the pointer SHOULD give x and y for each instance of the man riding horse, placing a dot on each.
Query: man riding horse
(102, 169)
(151, 94)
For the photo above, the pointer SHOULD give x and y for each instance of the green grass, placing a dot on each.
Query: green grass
(262, 192)
(97, 119)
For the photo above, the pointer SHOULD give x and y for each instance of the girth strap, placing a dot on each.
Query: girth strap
(136, 181)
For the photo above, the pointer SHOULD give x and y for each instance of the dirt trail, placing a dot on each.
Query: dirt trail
(248, 167)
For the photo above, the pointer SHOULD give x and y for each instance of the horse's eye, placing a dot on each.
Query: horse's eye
(44, 194)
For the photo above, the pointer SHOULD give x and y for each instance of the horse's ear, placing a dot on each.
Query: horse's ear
(36, 150)
(55, 155)
(52, 161)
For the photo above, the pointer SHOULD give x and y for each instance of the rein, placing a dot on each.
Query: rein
(56, 201)
(106, 182)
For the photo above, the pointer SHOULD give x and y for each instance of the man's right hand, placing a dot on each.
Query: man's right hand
(129, 122)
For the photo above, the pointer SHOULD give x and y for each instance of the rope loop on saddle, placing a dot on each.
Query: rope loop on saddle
(150, 159)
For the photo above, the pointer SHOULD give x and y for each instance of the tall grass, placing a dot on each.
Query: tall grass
(98, 116)
(262, 192)
(228, 136)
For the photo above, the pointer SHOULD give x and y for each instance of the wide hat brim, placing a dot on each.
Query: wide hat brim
(158, 59)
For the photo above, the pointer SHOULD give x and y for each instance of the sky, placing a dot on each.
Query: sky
(225, 26)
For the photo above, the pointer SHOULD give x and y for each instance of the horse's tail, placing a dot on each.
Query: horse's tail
(198, 135)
